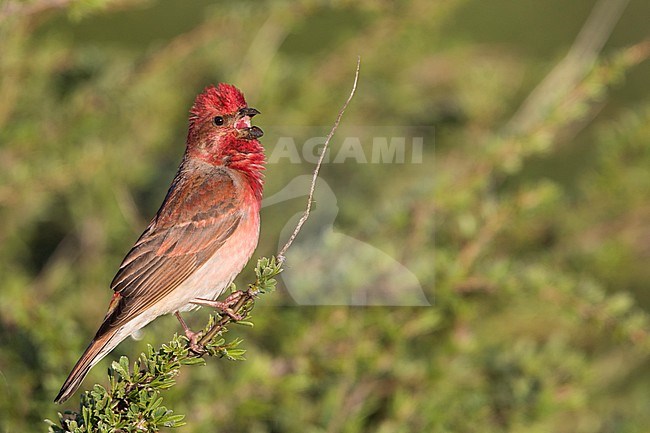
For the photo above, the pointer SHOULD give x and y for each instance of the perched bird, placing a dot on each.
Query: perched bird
(203, 234)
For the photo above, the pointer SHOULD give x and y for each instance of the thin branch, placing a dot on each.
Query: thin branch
(241, 307)
(281, 255)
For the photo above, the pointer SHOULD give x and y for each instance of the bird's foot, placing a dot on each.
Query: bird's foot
(225, 306)
(192, 336)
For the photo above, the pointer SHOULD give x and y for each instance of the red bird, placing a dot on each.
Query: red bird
(203, 234)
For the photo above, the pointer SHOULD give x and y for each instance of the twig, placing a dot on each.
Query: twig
(246, 297)
(281, 255)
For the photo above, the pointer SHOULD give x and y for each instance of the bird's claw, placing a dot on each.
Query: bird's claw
(224, 306)
(194, 338)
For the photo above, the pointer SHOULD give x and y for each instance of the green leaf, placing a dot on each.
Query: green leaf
(121, 369)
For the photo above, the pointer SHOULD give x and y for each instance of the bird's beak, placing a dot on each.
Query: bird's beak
(251, 133)
(243, 124)
(250, 112)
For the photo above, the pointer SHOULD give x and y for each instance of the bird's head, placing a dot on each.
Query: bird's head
(220, 127)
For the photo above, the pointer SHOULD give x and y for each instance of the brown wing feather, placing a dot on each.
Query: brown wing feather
(198, 215)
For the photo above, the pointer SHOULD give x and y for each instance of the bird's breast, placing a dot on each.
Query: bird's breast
(216, 274)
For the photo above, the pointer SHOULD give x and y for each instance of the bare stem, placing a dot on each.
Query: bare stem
(281, 255)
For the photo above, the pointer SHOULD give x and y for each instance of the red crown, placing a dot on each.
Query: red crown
(225, 98)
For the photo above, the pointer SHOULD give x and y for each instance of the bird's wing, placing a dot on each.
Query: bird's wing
(198, 215)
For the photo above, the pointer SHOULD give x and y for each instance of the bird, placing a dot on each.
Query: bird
(204, 233)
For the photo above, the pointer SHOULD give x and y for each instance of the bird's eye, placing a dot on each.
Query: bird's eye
(218, 121)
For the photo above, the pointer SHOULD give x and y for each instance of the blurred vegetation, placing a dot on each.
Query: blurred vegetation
(530, 240)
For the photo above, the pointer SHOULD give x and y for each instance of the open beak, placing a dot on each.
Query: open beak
(250, 112)
(243, 124)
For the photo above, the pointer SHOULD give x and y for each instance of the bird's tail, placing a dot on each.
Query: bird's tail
(98, 348)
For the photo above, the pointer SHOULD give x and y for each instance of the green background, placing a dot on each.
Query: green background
(530, 240)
